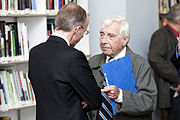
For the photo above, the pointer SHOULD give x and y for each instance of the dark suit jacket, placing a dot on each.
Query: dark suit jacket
(162, 47)
(62, 79)
(176, 62)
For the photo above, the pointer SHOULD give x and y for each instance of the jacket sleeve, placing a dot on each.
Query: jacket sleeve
(144, 101)
(160, 59)
(84, 82)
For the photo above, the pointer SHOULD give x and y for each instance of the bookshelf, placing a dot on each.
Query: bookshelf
(164, 7)
(33, 19)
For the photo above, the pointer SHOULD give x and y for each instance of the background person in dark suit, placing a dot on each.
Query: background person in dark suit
(164, 52)
(64, 86)
(114, 37)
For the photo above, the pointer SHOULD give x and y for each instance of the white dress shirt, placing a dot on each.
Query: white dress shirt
(61, 36)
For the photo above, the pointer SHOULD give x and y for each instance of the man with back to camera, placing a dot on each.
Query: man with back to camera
(63, 83)
(164, 52)
(114, 36)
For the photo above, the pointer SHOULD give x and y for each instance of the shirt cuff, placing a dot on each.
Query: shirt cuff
(120, 97)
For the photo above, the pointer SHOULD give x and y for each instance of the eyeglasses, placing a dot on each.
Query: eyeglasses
(86, 31)
(110, 36)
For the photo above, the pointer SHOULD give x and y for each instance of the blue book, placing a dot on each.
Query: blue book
(60, 5)
(2, 87)
(120, 73)
(33, 4)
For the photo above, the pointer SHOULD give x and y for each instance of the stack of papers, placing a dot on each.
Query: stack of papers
(120, 73)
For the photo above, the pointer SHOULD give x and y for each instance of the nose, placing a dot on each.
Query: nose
(104, 39)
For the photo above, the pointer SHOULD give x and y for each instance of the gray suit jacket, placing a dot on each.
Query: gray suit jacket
(134, 106)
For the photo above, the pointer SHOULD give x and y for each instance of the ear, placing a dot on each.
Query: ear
(179, 25)
(125, 40)
(74, 32)
(76, 29)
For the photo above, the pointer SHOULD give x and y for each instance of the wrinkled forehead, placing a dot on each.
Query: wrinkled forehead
(111, 28)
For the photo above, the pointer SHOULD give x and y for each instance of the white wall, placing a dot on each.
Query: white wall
(142, 16)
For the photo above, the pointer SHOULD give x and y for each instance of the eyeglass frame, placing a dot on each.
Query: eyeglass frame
(86, 32)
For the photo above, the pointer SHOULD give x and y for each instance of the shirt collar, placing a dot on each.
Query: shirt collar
(175, 32)
(61, 36)
(120, 55)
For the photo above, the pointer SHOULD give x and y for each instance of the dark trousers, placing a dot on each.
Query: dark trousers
(174, 111)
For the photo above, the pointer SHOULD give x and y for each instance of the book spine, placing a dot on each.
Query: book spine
(2, 45)
(13, 88)
(6, 87)
(27, 85)
(32, 92)
(10, 87)
(17, 86)
(60, 4)
(24, 85)
(2, 95)
(3, 4)
(33, 2)
(20, 80)
(13, 42)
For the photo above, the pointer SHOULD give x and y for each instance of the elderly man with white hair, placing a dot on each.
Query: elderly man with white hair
(114, 37)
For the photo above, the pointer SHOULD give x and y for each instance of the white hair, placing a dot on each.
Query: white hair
(124, 29)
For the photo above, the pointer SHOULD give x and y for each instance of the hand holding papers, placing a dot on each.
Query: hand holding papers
(120, 74)
(111, 91)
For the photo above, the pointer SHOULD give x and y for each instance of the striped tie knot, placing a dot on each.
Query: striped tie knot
(110, 59)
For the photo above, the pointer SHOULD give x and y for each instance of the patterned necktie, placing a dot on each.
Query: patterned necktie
(105, 111)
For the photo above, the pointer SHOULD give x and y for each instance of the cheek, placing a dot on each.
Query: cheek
(115, 46)
(100, 43)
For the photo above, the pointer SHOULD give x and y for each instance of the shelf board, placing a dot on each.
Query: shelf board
(19, 107)
(12, 60)
(162, 14)
(5, 63)
(27, 15)
(24, 13)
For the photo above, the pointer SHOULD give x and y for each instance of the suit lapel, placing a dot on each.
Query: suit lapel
(97, 66)
(173, 38)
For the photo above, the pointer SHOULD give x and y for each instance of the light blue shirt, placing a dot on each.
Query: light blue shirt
(177, 54)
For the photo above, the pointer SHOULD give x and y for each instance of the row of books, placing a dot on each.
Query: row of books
(57, 4)
(15, 89)
(14, 5)
(165, 5)
(13, 39)
(17, 4)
